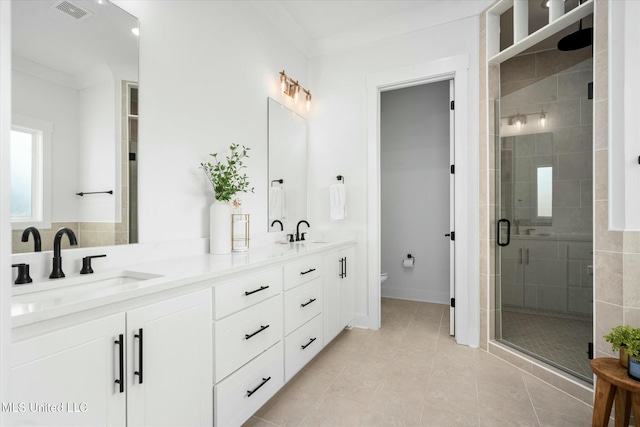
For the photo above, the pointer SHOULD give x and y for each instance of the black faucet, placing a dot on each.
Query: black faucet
(37, 242)
(298, 237)
(57, 272)
(279, 222)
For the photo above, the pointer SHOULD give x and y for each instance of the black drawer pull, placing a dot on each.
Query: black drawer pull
(262, 288)
(264, 381)
(308, 271)
(308, 344)
(120, 344)
(140, 359)
(262, 328)
(308, 302)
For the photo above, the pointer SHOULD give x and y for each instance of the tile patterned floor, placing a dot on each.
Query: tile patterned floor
(560, 340)
(412, 373)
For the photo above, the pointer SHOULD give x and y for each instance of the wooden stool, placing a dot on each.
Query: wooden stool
(614, 382)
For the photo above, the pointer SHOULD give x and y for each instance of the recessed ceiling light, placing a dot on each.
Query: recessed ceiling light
(136, 31)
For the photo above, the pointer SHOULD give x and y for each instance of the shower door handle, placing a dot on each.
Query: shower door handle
(499, 234)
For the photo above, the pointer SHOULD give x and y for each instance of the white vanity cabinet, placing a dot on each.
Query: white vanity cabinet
(248, 350)
(169, 362)
(302, 313)
(339, 291)
(148, 366)
(70, 371)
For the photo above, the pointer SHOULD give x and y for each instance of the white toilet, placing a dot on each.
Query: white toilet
(383, 277)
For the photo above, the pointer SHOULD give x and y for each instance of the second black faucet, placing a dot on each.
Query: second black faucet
(57, 272)
(298, 236)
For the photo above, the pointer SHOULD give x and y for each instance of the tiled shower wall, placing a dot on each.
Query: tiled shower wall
(616, 253)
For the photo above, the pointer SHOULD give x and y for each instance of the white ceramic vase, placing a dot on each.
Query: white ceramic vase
(220, 228)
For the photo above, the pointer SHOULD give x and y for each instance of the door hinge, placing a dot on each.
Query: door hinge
(453, 302)
(453, 169)
(453, 235)
(453, 104)
(590, 350)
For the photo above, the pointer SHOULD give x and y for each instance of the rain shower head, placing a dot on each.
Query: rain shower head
(577, 40)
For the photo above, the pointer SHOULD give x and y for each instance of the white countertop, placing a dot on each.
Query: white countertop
(49, 298)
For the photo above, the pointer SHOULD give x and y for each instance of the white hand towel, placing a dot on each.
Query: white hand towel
(337, 202)
(277, 207)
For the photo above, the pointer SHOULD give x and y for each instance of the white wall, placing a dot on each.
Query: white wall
(206, 70)
(5, 200)
(338, 133)
(45, 99)
(414, 191)
(98, 152)
(624, 91)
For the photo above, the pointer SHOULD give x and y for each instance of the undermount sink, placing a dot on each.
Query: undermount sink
(79, 287)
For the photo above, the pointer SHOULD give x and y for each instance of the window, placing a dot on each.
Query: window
(30, 172)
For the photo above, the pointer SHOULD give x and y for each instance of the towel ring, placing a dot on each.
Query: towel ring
(340, 178)
(279, 181)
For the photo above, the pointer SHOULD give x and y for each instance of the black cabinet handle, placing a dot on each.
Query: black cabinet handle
(341, 261)
(498, 234)
(262, 328)
(307, 272)
(345, 267)
(140, 345)
(308, 344)
(262, 288)
(264, 381)
(120, 344)
(307, 303)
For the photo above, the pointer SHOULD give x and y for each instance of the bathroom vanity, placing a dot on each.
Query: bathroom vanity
(201, 340)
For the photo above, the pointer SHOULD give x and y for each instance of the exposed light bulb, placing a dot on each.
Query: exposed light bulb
(543, 119)
(283, 82)
(296, 93)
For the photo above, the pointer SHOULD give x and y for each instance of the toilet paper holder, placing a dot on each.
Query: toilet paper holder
(409, 261)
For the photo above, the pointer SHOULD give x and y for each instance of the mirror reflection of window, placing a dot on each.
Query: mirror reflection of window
(24, 166)
(545, 192)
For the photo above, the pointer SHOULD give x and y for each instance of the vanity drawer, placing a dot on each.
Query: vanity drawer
(233, 401)
(301, 304)
(242, 336)
(302, 346)
(302, 271)
(239, 294)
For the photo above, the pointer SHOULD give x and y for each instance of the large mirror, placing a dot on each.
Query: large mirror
(75, 115)
(287, 167)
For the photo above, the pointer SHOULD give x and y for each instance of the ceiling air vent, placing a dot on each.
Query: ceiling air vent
(73, 10)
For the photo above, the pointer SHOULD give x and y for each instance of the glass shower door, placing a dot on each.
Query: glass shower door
(544, 284)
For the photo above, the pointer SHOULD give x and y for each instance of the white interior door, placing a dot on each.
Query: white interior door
(452, 225)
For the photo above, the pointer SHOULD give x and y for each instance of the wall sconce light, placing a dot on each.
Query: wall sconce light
(292, 88)
(518, 120)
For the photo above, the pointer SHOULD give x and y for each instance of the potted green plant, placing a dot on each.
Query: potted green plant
(632, 344)
(626, 340)
(227, 177)
(618, 338)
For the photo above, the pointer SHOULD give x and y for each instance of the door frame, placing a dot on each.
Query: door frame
(467, 317)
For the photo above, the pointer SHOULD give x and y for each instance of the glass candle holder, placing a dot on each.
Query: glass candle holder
(239, 232)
